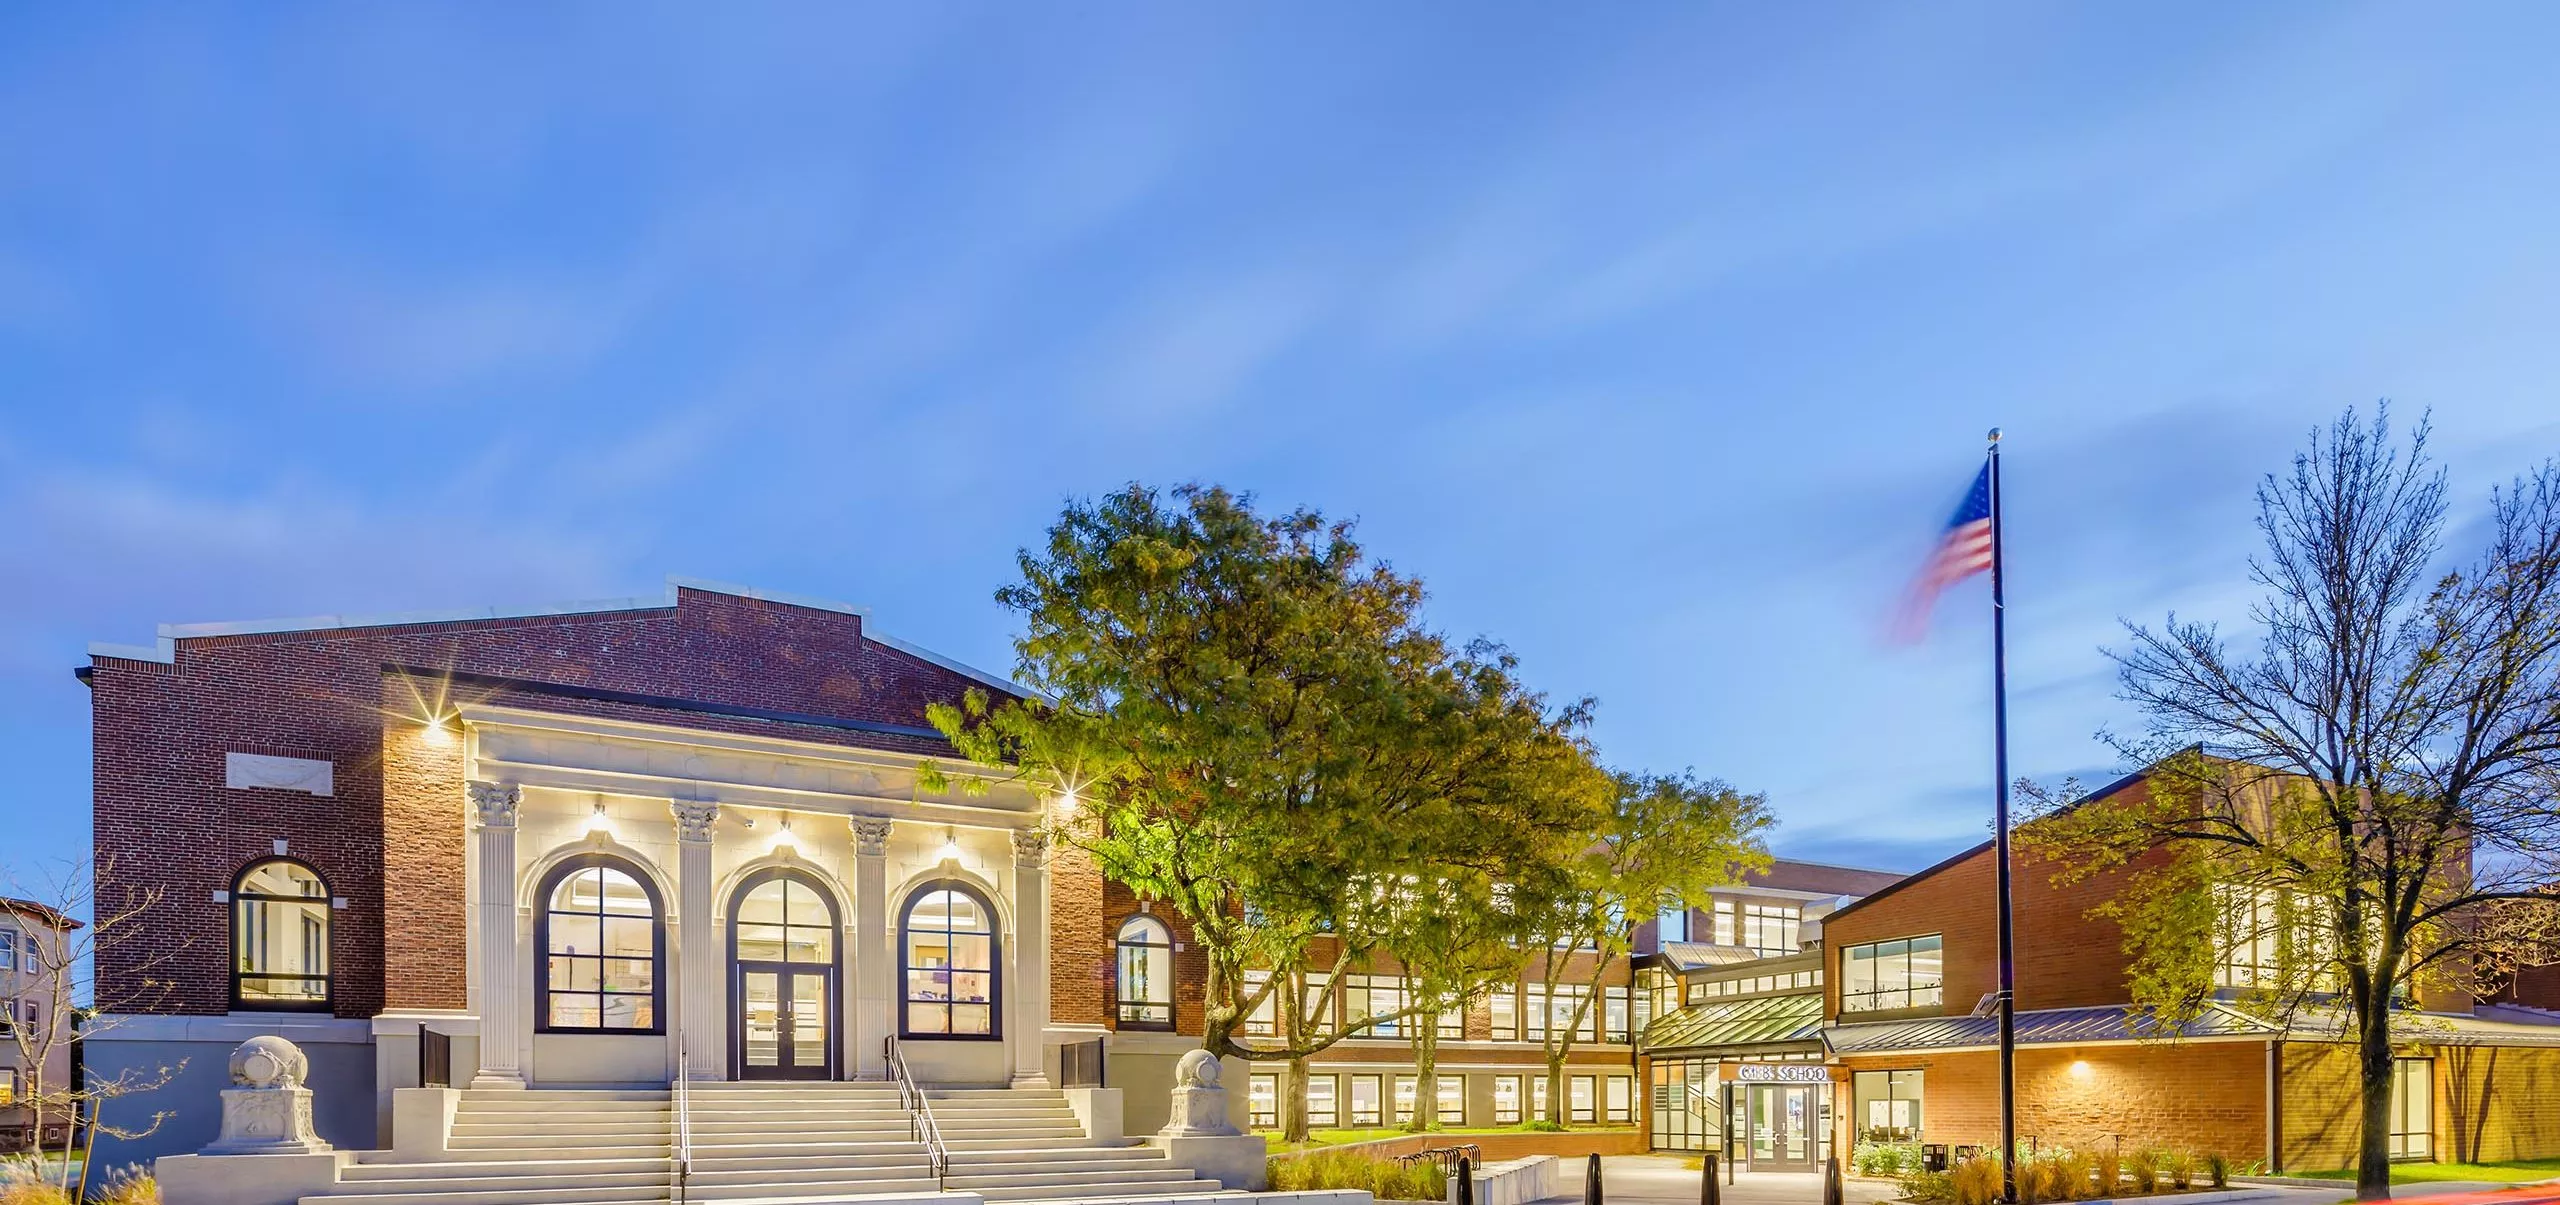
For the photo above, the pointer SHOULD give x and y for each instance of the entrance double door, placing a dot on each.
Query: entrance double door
(1785, 1126)
(784, 1011)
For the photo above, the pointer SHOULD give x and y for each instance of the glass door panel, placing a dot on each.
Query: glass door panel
(1795, 1122)
(809, 1021)
(761, 1012)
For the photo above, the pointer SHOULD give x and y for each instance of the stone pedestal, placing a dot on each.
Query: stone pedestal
(268, 1153)
(1239, 1161)
(266, 1110)
(1199, 1100)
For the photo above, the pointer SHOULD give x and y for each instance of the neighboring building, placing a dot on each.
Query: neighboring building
(1735, 1043)
(34, 948)
(1912, 1038)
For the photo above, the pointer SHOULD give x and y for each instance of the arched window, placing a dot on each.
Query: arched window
(949, 934)
(603, 943)
(279, 937)
(1145, 965)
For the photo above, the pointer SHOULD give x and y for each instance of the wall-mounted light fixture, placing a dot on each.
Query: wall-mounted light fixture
(950, 851)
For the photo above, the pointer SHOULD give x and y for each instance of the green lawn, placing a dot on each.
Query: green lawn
(2518, 1172)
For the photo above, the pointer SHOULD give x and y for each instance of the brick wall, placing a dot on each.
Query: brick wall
(2200, 1096)
(1079, 951)
(166, 825)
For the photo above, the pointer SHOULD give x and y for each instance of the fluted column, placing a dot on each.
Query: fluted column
(502, 992)
(1029, 990)
(874, 969)
(702, 1007)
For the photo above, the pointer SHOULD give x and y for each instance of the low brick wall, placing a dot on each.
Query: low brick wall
(1519, 1144)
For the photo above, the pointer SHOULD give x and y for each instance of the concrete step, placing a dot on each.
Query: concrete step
(508, 1195)
(1062, 1142)
(545, 1097)
(1142, 1191)
(1087, 1156)
(881, 1191)
(1105, 1175)
(559, 1142)
(593, 1129)
(469, 1169)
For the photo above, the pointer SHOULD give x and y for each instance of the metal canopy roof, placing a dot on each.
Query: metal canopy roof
(1756, 1021)
(2106, 1023)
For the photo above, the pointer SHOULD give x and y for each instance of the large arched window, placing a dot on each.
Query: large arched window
(949, 936)
(603, 944)
(1145, 966)
(279, 937)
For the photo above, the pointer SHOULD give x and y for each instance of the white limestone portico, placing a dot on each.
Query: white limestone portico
(698, 820)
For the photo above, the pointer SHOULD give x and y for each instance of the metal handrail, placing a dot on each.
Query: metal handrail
(919, 1114)
(683, 1154)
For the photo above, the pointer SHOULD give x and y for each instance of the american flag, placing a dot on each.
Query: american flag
(1963, 550)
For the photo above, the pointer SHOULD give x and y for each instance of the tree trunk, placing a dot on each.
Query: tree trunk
(1555, 1086)
(2373, 1149)
(1426, 1084)
(1293, 1107)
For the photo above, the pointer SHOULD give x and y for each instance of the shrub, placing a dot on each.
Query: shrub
(131, 1184)
(1543, 1126)
(1387, 1179)
(22, 1184)
(2145, 1166)
(1884, 1158)
(2107, 1176)
(1921, 1184)
(2217, 1169)
(2180, 1167)
(2074, 1170)
(1976, 1181)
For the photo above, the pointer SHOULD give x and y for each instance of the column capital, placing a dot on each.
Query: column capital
(693, 819)
(1030, 847)
(497, 803)
(870, 835)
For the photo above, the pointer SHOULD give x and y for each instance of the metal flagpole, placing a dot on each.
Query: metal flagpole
(2000, 837)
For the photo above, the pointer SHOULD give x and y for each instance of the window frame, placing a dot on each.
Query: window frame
(1910, 994)
(1331, 1117)
(551, 881)
(1121, 1003)
(906, 952)
(328, 901)
(1618, 1098)
(1262, 1101)
(2407, 1145)
(1519, 1100)
(1377, 1102)
(1589, 1110)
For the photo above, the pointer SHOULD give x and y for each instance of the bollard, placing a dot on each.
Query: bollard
(1831, 1191)
(1709, 1193)
(1591, 1181)
(1466, 1182)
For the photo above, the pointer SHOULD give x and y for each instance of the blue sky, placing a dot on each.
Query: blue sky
(1658, 339)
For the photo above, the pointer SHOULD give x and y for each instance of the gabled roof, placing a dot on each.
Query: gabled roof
(1699, 955)
(1962, 856)
(46, 913)
(2103, 1023)
(1716, 1024)
(1788, 874)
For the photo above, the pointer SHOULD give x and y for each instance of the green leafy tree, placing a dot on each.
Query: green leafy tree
(1259, 731)
(1463, 939)
(2354, 806)
(1665, 838)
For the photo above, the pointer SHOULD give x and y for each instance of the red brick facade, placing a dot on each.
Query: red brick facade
(389, 837)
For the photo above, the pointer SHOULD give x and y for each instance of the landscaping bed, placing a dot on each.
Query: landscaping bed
(2052, 1174)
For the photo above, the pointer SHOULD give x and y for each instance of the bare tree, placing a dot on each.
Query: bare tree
(57, 978)
(2360, 797)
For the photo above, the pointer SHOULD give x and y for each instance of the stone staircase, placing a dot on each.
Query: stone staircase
(1012, 1144)
(759, 1141)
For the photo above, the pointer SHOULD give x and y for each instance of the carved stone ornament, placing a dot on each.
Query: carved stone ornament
(871, 835)
(693, 819)
(497, 803)
(1199, 1100)
(1030, 845)
(267, 1111)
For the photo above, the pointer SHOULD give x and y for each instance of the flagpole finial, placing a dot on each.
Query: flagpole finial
(1995, 435)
